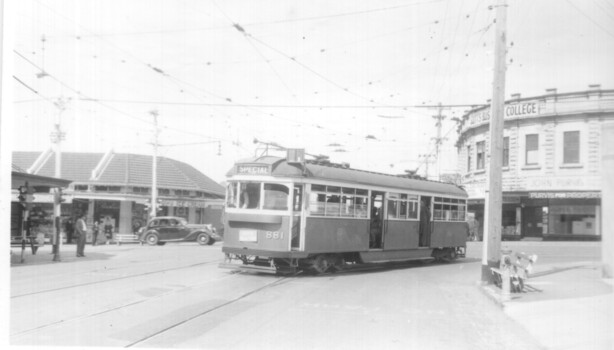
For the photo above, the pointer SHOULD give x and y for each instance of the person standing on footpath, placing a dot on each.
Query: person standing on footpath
(70, 230)
(95, 230)
(81, 231)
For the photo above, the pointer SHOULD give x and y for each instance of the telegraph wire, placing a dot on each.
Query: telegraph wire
(590, 18)
(237, 105)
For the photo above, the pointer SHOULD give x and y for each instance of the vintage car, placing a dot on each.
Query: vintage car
(164, 229)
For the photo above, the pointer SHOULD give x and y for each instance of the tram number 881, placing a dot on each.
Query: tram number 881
(274, 235)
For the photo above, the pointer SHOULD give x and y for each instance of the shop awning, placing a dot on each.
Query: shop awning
(20, 179)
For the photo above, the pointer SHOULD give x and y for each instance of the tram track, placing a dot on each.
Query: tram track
(281, 279)
(118, 307)
(13, 297)
(277, 282)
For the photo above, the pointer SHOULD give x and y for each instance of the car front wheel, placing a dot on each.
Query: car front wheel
(203, 239)
(151, 239)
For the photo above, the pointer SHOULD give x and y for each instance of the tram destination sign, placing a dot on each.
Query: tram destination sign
(253, 169)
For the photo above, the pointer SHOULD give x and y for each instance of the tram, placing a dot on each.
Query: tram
(284, 215)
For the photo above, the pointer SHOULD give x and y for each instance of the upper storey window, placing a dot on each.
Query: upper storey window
(468, 159)
(506, 151)
(532, 149)
(571, 147)
(479, 148)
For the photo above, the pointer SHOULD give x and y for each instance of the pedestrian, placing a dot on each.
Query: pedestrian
(108, 228)
(70, 230)
(95, 230)
(81, 235)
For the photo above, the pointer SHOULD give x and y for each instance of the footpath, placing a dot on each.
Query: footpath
(564, 306)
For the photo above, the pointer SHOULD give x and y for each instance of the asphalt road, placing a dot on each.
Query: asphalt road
(175, 296)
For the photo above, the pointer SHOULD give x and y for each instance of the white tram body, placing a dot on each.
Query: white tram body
(285, 216)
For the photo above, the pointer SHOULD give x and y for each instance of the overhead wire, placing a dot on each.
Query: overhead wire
(590, 19)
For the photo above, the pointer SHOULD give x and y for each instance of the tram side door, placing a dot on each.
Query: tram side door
(299, 205)
(426, 223)
(376, 229)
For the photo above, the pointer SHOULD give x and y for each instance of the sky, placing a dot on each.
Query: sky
(358, 81)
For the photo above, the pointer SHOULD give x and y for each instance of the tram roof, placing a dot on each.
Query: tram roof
(279, 167)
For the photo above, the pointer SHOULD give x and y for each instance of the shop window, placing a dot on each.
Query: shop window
(571, 147)
(479, 148)
(532, 149)
(143, 190)
(506, 151)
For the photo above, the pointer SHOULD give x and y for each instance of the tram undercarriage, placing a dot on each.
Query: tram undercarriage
(332, 262)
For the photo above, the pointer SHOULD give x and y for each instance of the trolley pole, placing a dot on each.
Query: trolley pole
(493, 200)
(439, 140)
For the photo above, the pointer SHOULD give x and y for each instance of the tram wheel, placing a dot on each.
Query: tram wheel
(337, 263)
(320, 264)
(452, 253)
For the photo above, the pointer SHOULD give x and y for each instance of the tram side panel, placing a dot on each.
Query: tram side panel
(257, 233)
(449, 234)
(401, 235)
(330, 235)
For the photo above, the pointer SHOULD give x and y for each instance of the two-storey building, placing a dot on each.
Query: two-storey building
(551, 163)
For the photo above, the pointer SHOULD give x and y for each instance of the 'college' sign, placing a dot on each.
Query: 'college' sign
(515, 110)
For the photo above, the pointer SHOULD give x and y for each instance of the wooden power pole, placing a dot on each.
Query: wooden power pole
(493, 201)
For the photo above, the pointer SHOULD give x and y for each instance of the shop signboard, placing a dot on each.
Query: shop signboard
(511, 110)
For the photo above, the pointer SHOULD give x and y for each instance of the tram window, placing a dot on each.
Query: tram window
(360, 206)
(333, 189)
(231, 197)
(347, 205)
(298, 198)
(250, 195)
(437, 212)
(393, 209)
(449, 209)
(318, 188)
(275, 197)
(338, 201)
(412, 210)
(403, 209)
(333, 205)
(317, 202)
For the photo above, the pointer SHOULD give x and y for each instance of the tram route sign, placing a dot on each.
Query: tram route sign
(253, 169)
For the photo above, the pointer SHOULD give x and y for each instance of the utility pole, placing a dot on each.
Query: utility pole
(439, 140)
(57, 137)
(427, 160)
(493, 202)
(154, 172)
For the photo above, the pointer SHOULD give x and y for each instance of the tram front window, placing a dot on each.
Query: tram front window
(248, 195)
(276, 197)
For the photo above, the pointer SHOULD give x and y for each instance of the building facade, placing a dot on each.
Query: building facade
(116, 188)
(551, 163)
